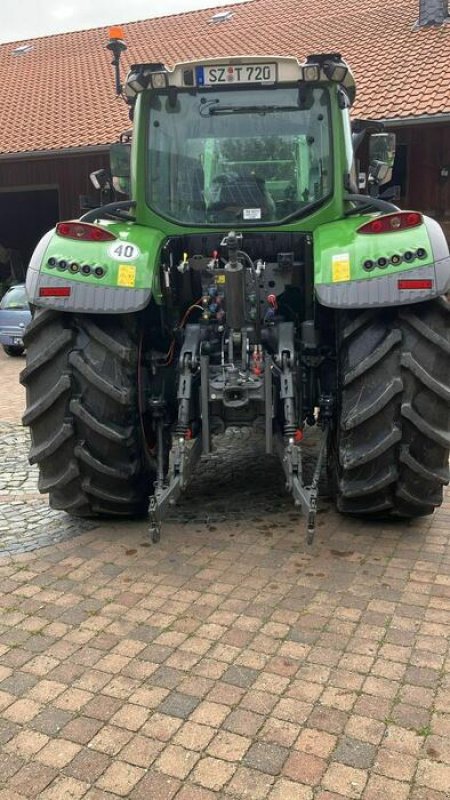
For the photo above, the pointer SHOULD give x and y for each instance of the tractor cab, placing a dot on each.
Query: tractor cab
(242, 141)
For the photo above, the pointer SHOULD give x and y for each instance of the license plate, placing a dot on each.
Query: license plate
(17, 340)
(226, 74)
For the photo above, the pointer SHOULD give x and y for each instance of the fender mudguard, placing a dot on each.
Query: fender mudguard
(62, 272)
(406, 266)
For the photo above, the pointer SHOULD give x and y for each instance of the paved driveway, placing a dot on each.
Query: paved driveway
(230, 660)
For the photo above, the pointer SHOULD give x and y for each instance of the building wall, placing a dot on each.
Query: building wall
(68, 174)
(427, 155)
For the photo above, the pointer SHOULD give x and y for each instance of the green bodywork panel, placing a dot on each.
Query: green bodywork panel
(129, 261)
(340, 251)
(132, 262)
(150, 231)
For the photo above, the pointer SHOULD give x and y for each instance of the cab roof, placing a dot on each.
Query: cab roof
(241, 70)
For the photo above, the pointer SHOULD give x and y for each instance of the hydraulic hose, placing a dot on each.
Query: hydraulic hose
(375, 202)
(110, 210)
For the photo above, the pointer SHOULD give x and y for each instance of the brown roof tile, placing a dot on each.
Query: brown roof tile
(60, 94)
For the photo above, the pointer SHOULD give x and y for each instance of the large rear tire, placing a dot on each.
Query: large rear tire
(81, 379)
(390, 449)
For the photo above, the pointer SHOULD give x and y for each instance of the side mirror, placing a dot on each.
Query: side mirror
(100, 179)
(380, 172)
(382, 156)
(120, 158)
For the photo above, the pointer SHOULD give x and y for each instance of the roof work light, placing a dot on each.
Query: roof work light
(311, 72)
(138, 80)
(331, 64)
(159, 80)
(335, 71)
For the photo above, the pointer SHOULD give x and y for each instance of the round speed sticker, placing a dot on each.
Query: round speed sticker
(124, 251)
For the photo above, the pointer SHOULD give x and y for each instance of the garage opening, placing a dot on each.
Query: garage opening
(25, 216)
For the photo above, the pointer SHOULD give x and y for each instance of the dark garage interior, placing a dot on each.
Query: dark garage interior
(25, 216)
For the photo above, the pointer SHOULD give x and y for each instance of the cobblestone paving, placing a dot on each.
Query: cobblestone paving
(238, 480)
(230, 661)
(17, 475)
(26, 521)
(235, 482)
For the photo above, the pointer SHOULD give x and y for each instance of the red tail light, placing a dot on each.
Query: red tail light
(55, 291)
(392, 222)
(411, 283)
(84, 232)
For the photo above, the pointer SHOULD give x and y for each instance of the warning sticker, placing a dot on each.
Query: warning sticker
(126, 275)
(220, 278)
(251, 213)
(340, 267)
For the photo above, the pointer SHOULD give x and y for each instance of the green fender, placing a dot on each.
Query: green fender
(414, 265)
(62, 271)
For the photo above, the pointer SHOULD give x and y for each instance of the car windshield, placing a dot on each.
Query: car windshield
(15, 298)
(239, 156)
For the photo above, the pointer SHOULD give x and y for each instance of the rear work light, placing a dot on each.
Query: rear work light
(84, 232)
(389, 223)
(55, 291)
(412, 283)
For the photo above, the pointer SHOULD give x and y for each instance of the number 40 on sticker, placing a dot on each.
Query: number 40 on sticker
(124, 251)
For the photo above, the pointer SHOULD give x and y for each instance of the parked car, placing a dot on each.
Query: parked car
(15, 315)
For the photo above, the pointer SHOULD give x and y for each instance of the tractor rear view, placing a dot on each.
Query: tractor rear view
(245, 282)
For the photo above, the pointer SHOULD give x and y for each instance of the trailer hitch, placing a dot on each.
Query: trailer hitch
(305, 496)
(314, 488)
(291, 457)
(183, 457)
(185, 450)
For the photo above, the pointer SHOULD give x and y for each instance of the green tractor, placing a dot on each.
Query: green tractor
(245, 281)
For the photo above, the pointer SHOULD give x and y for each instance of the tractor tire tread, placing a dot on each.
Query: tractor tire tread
(82, 410)
(88, 371)
(392, 446)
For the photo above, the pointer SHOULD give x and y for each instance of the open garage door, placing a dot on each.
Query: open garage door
(25, 215)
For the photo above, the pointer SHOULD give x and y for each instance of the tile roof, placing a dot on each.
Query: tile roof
(60, 94)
